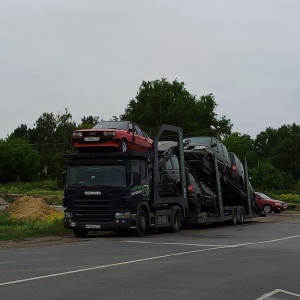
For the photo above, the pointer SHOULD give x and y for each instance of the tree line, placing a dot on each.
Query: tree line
(273, 157)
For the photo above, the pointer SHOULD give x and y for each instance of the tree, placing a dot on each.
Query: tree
(18, 160)
(88, 122)
(266, 176)
(161, 102)
(281, 147)
(243, 147)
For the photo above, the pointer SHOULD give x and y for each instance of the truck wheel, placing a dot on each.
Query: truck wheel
(267, 208)
(141, 223)
(176, 224)
(123, 145)
(234, 217)
(80, 232)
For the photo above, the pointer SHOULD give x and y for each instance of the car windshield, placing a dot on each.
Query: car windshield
(112, 125)
(198, 140)
(105, 175)
(261, 195)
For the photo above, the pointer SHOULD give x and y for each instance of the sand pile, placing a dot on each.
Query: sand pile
(28, 207)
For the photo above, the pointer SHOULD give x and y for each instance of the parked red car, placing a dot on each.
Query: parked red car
(268, 205)
(112, 135)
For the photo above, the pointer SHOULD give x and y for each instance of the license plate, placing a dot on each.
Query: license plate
(90, 226)
(91, 139)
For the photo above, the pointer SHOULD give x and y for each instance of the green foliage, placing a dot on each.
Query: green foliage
(88, 122)
(33, 188)
(243, 147)
(18, 160)
(161, 102)
(265, 176)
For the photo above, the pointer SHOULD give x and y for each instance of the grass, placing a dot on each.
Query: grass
(50, 191)
(12, 229)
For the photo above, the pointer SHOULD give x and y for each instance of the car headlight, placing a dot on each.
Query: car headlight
(109, 133)
(77, 134)
(278, 204)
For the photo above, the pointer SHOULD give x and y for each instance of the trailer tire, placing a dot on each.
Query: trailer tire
(79, 232)
(234, 217)
(123, 145)
(176, 222)
(141, 223)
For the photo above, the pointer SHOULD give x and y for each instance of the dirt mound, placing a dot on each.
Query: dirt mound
(28, 207)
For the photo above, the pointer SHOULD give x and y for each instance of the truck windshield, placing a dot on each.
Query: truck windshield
(104, 175)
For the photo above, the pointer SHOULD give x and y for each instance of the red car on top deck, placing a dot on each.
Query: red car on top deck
(112, 135)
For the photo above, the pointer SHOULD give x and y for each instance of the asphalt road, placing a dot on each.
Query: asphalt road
(250, 261)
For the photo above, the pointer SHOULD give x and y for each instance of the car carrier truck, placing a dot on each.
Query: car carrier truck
(118, 191)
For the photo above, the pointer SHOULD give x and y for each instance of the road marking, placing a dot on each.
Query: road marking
(141, 260)
(266, 296)
(178, 244)
(218, 246)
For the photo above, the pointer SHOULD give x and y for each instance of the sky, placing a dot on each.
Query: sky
(90, 57)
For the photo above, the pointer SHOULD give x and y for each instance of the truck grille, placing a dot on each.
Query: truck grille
(101, 208)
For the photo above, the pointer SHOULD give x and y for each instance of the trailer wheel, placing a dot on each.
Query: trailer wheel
(123, 145)
(234, 217)
(141, 223)
(80, 232)
(176, 222)
(267, 208)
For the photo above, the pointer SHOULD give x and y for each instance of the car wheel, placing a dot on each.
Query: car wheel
(141, 223)
(123, 145)
(267, 208)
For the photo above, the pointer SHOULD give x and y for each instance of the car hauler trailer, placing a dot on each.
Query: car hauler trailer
(118, 191)
(233, 204)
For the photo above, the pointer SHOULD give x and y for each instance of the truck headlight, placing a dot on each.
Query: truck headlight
(68, 214)
(125, 215)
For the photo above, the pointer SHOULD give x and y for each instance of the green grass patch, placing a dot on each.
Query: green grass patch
(12, 229)
(37, 187)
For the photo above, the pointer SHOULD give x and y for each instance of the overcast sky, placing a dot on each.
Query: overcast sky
(92, 56)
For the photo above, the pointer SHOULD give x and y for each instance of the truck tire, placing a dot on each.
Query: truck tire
(141, 223)
(234, 217)
(80, 232)
(123, 146)
(176, 222)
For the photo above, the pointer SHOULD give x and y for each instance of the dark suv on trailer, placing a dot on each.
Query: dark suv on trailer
(237, 170)
(209, 146)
